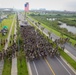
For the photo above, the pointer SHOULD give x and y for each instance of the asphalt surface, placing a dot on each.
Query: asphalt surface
(71, 49)
(68, 47)
(50, 66)
(40, 67)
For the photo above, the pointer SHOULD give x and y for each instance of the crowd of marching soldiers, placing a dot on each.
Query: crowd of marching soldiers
(35, 45)
(10, 51)
(4, 41)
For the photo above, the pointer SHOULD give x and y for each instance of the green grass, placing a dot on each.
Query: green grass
(54, 31)
(21, 64)
(7, 63)
(8, 23)
(68, 59)
(64, 55)
(12, 33)
(7, 67)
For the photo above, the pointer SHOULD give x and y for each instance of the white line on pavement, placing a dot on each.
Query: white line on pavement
(29, 68)
(70, 54)
(68, 65)
(35, 68)
(63, 66)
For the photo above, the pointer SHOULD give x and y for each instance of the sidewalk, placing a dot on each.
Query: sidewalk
(14, 66)
(14, 60)
(6, 45)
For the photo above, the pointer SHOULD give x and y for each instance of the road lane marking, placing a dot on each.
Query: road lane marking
(35, 68)
(50, 67)
(68, 65)
(29, 68)
(70, 54)
(63, 66)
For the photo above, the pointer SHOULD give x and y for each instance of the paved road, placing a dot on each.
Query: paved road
(41, 67)
(50, 66)
(71, 50)
(57, 64)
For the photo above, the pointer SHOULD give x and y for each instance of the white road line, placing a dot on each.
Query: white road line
(68, 64)
(29, 68)
(63, 66)
(70, 54)
(35, 68)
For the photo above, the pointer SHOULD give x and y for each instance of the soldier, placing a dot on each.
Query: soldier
(6, 40)
(11, 36)
(0, 55)
(10, 42)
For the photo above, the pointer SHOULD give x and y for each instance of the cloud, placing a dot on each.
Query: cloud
(36, 4)
(71, 5)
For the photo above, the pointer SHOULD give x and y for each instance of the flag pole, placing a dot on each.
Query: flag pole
(26, 8)
(25, 14)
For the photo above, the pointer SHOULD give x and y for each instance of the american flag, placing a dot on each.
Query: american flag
(27, 7)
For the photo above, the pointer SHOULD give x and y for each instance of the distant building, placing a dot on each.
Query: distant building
(7, 10)
(42, 9)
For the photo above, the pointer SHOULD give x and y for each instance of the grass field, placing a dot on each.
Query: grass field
(6, 22)
(7, 67)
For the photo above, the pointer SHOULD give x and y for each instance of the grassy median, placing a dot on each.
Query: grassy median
(21, 64)
(7, 67)
(21, 60)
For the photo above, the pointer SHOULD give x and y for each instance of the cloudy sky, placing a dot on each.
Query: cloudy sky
(36, 4)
